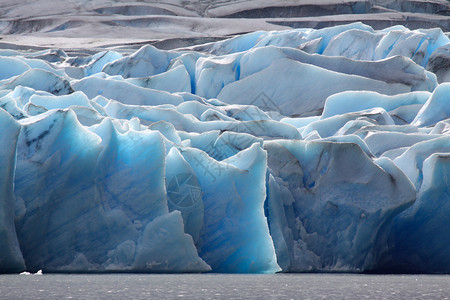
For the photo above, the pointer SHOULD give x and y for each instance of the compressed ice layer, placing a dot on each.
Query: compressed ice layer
(11, 259)
(419, 237)
(184, 193)
(104, 190)
(299, 150)
(330, 202)
(233, 196)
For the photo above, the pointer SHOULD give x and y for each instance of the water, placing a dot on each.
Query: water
(219, 286)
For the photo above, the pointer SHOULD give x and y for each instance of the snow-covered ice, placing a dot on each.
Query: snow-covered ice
(295, 150)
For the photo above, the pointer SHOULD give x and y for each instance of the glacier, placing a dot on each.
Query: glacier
(300, 150)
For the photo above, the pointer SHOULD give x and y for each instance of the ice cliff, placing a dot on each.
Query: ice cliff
(298, 150)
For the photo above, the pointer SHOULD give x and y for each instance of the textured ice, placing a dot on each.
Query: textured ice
(438, 63)
(233, 196)
(11, 259)
(332, 202)
(146, 62)
(174, 80)
(295, 78)
(39, 79)
(419, 237)
(401, 69)
(298, 151)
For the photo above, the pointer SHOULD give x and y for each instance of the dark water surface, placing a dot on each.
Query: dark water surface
(219, 286)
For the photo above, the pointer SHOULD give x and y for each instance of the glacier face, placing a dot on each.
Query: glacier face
(298, 151)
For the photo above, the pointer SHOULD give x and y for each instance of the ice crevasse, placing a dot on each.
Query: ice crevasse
(295, 151)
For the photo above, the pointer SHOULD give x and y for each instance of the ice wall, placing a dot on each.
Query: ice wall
(297, 151)
(11, 259)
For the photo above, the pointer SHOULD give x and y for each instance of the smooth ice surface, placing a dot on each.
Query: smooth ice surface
(298, 150)
(436, 109)
(346, 102)
(293, 79)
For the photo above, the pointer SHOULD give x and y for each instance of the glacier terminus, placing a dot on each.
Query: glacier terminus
(300, 150)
